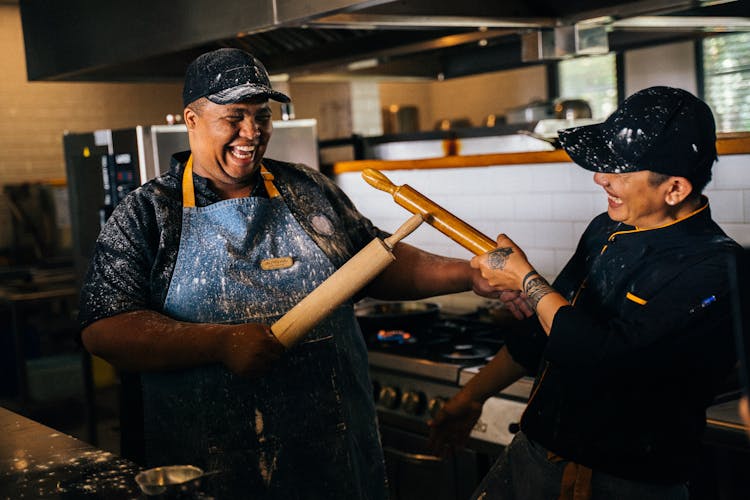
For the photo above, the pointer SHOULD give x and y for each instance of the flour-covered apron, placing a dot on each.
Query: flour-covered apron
(306, 429)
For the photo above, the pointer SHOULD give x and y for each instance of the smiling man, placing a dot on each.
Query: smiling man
(631, 342)
(228, 142)
(191, 270)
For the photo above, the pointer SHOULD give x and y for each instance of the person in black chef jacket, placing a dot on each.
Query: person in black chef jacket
(192, 268)
(633, 338)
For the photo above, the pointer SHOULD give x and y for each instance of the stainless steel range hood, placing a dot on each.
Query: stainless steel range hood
(139, 40)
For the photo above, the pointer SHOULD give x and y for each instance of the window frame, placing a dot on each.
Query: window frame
(554, 83)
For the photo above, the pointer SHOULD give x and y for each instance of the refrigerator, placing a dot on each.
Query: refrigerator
(103, 166)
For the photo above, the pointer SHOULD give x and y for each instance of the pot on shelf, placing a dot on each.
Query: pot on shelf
(533, 111)
(572, 109)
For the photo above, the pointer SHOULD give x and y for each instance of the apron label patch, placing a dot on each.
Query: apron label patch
(276, 263)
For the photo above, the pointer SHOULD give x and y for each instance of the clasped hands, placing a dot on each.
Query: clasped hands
(504, 269)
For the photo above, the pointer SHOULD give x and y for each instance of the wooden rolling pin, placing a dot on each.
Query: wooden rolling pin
(340, 286)
(435, 215)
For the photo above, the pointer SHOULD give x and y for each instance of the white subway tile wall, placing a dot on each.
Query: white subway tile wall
(730, 172)
(544, 207)
(365, 103)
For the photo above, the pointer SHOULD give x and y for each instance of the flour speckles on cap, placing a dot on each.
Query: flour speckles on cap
(660, 129)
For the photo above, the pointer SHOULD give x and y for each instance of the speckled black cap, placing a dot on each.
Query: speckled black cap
(661, 129)
(226, 76)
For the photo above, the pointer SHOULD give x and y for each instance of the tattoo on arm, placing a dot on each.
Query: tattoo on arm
(498, 257)
(535, 289)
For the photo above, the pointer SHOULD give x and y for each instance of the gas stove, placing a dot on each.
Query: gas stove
(438, 351)
(414, 374)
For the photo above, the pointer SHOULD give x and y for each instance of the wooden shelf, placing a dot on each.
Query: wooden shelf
(727, 144)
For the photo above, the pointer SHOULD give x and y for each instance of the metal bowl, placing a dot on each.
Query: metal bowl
(159, 479)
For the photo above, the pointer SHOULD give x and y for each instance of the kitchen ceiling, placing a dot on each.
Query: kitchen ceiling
(142, 40)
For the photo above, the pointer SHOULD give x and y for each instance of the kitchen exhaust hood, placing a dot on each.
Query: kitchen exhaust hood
(141, 40)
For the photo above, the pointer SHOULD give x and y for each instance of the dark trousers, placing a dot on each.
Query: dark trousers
(525, 472)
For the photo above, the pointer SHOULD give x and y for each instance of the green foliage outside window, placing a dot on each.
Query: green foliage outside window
(593, 78)
(726, 67)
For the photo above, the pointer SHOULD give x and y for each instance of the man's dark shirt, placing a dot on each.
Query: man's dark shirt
(136, 251)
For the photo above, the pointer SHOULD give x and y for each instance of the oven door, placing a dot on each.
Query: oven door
(414, 472)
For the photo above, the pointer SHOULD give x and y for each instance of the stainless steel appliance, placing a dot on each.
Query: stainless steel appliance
(414, 372)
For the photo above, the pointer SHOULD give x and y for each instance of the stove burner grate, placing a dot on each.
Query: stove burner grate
(452, 340)
(465, 352)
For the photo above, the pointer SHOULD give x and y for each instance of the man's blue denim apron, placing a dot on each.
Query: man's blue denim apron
(307, 428)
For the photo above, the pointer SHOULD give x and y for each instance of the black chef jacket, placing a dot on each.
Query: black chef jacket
(628, 370)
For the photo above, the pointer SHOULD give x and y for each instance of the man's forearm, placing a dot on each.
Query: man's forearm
(495, 376)
(544, 299)
(417, 274)
(146, 340)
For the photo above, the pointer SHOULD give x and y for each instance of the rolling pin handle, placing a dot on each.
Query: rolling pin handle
(405, 230)
(378, 180)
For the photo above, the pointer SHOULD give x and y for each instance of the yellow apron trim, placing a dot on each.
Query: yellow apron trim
(268, 181)
(635, 299)
(188, 190)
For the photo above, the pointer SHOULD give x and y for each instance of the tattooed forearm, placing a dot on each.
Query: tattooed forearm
(535, 289)
(497, 258)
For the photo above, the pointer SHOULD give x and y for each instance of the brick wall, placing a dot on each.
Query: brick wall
(34, 115)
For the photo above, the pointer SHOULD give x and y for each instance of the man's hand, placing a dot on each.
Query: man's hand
(482, 287)
(453, 423)
(250, 349)
(504, 267)
(517, 303)
(495, 277)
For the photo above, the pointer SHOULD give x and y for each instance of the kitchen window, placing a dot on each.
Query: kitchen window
(726, 80)
(593, 78)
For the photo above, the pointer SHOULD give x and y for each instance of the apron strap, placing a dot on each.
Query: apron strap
(576, 479)
(188, 190)
(268, 181)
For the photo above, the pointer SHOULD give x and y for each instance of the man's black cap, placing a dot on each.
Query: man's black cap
(661, 129)
(226, 76)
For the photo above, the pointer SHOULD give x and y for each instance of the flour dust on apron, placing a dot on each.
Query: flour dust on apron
(307, 428)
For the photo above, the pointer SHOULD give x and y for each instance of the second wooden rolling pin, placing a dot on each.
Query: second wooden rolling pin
(340, 286)
(435, 215)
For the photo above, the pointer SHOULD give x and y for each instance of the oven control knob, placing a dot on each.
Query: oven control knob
(389, 397)
(435, 405)
(413, 402)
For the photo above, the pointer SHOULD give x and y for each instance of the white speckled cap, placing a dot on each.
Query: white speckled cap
(226, 76)
(661, 129)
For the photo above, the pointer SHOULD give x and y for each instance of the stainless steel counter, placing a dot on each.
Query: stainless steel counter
(39, 462)
(724, 427)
